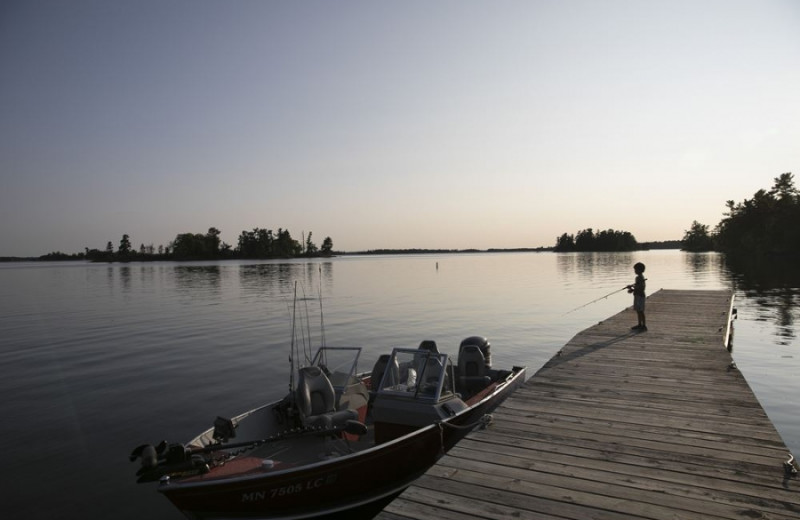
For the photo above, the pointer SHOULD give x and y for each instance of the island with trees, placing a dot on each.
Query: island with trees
(256, 244)
(588, 240)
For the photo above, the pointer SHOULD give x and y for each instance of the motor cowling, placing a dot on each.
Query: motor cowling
(483, 344)
(148, 454)
(177, 453)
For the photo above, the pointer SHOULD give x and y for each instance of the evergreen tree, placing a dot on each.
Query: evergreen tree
(327, 246)
(311, 248)
(212, 241)
(697, 238)
(125, 248)
(565, 243)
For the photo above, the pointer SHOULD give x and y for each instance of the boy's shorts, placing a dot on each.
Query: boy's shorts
(638, 303)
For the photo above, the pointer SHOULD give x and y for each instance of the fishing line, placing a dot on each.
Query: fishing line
(596, 300)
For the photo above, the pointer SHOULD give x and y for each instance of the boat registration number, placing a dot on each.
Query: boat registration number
(289, 489)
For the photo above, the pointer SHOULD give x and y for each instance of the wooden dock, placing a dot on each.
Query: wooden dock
(619, 425)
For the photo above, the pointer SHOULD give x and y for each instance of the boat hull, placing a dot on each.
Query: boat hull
(341, 484)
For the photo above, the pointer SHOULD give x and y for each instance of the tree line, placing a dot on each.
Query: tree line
(256, 244)
(588, 240)
(766, 224)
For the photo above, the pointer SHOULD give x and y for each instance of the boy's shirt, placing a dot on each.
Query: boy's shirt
(638, 286)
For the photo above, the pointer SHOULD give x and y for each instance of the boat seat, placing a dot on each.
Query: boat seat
(472, 368)
(379, 370)
(430, 345)
(421, 359)
(429, 379)
(316, 401)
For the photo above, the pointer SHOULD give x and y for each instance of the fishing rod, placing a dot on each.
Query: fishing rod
(597, 300)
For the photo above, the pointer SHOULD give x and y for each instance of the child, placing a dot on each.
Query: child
(638, 296)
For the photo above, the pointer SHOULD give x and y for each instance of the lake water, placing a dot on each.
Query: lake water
(99, 358)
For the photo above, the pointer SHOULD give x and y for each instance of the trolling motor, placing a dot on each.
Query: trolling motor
(165, 458)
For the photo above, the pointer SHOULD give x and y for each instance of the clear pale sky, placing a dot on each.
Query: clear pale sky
(397, 124)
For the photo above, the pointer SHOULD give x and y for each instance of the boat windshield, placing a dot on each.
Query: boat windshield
(340, 364)
(417, 373)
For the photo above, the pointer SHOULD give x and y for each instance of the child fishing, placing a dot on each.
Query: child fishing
(637, 288)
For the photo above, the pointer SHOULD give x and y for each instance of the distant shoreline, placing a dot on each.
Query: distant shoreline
(644, 246)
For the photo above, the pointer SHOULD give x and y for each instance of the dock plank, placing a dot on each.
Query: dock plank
(622, 425)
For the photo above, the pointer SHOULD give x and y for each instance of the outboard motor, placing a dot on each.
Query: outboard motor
(483, 344)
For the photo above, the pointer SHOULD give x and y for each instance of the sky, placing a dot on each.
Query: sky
(393, 124)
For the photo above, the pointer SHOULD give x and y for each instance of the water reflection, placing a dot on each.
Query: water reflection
(125, 278)
(773, 284)
(279, 278)
(698, 262)
(326, 270)
(787, 305)
(591, 265)
(706, 266)
(764, 273)
(206, 278)
(148, 275)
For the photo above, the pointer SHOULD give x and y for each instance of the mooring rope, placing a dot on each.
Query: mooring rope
(790, 466)
(483, 422)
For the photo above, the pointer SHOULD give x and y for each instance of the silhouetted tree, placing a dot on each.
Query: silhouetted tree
(191, 246)
(125, 250)
(311, 248)
(285, 245)
(565, 243)
(697, 238)
(767, 223)
(257, 243)
(212, 242)
(327, 246)
(584, 240)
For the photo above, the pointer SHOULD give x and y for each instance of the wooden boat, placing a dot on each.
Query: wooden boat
(339, 441)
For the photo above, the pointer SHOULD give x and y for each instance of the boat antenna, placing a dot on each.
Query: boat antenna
(292, 346)
(321, 318)
(307, 345)
(596, 300)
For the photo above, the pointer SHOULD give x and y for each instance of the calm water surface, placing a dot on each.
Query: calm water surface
(100, 358)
